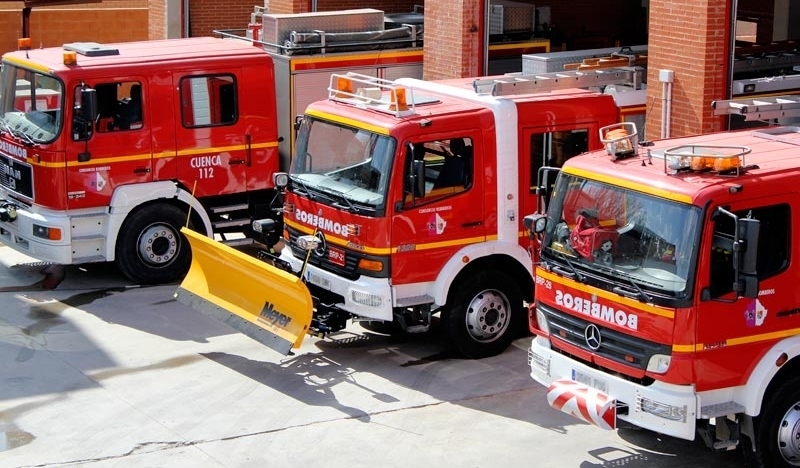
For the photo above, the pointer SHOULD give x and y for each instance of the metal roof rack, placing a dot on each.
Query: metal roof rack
(763, 108)
(514, 84)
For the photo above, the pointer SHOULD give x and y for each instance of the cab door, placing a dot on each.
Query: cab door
(549, 147)
(448, 213)
(210, 132)
(732, 333)
(119, 151)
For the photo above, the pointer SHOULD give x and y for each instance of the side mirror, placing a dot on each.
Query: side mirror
(418, 178)
(746, 256)
(89, 104)
(84, 116)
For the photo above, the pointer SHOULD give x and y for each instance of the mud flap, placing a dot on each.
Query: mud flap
(265, 303)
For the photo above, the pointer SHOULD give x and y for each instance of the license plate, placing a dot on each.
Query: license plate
(587, 380)
(336, 256)
(323, 283)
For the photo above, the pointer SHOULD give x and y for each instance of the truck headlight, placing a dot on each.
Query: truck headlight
(658, 363)
(307, 243)
(541, 321)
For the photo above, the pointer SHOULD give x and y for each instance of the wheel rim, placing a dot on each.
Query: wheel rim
(158, 245)
(487, 316)
(789, 435)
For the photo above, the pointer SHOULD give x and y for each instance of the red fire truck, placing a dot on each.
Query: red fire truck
(107, 150)
(404, 200)
(663, 294)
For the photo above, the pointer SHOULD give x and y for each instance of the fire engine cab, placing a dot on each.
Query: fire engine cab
(106, 150)
(666, 287)
(405, 199)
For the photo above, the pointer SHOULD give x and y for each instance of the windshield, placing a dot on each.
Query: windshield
(643, 242)
(351, 164)
(30, 104)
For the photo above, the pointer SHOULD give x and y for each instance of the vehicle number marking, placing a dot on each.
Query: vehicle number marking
(206, 173)
(336, 256)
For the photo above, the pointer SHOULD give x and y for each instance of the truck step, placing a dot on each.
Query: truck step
(238, 242)
(230, 223)
(229, 208)
(90, 259)
(415, 300)
(88, 237)
(720, 409)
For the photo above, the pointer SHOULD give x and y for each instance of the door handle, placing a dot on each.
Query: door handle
(236, 162)
(141, 170)
(472, 223)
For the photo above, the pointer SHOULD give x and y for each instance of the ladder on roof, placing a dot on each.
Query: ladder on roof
(766, 108)
(511, 84)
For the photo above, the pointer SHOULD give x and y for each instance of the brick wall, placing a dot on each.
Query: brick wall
(157, 19)
(111, 21)
(689, 37)
(452, 42)
(207, 15)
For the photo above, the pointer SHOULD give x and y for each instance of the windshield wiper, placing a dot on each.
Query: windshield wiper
(350, 206)
(16, 133)
(639, 294)
(573, 271)
(5, 127)
(303, 184)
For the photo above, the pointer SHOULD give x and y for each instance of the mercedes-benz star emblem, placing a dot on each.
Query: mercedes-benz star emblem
(592, 336)
(322, 248)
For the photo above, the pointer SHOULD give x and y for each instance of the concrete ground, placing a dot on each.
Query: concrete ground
(97, 372)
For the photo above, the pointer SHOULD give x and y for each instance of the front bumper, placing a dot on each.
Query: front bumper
(366, 297)
(588, 393)
(18, 234)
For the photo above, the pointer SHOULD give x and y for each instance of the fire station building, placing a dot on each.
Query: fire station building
(697, 51)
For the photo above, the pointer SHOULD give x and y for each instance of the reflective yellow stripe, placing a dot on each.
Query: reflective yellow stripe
(609, 296)
(389, 250)
(346, 121)
(649, 189)
(27, 64)
(145, 156)
(355, 57)
(742, 340)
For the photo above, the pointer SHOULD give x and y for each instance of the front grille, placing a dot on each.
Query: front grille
(16, 176)
(623, 348)
(350, 259)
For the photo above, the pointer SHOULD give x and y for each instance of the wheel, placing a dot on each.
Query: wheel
(150, 248)
(483, 314)
(777, 429)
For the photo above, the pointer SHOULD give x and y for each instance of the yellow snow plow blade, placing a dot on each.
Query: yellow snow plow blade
(265, 303)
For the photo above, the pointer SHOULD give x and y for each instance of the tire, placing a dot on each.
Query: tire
(150, 248)
(483, 315)
(777, 429)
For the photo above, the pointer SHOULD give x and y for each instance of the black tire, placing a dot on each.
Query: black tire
(777, 429)
(484, 314)
(150, 248)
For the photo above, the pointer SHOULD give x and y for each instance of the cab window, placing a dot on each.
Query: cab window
(773, 246)
(119, 106)
(448, 166)
(208, 101)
